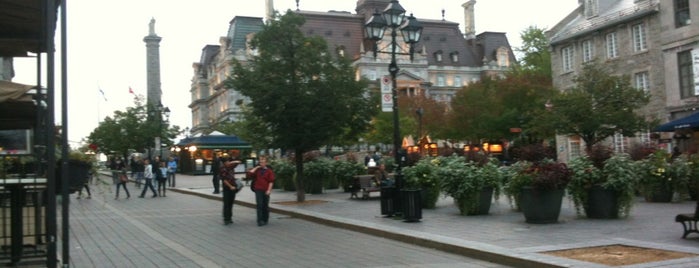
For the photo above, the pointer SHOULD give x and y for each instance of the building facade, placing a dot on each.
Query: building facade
(647, 40)
(445, 59)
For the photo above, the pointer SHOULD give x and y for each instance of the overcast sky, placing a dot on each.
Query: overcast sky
(106, 49)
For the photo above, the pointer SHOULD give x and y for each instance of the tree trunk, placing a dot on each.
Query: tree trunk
(300, 191)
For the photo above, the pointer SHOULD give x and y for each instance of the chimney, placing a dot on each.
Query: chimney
(469, 19)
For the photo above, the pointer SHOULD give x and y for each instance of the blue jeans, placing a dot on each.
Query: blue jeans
(262, 201)
(149, 184)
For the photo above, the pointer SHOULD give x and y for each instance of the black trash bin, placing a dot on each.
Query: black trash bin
(412, 205)
(388, 199)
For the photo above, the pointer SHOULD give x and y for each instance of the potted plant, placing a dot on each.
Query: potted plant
(285, 173)
(606, 192)
(423, 176)
(661, 177)
(470, 184)
(513, 182)
(540, 190)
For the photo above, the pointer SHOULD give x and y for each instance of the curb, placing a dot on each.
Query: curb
(515, 260)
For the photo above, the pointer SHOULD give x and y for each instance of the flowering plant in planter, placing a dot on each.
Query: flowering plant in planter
(423, 175)
(544, 175)
(464, 181)
(661, 174)
(618, 174)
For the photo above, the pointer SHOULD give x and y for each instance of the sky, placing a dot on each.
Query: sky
(106, 51)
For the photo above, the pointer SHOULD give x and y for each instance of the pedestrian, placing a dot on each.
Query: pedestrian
(231, 186)
(148, 176)
(171, 170)
(139, 172)
(215, 166)
(86, 186)
(122, 179)
(381, 176)
(161, 178)
(263, 180)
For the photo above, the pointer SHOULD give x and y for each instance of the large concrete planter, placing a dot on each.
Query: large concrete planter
(541, 206)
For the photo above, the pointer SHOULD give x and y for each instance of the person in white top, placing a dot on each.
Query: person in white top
(148, 175)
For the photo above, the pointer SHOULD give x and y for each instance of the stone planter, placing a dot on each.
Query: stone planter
(602, 203)
(483, 198)
(659, 196)
(541, 206)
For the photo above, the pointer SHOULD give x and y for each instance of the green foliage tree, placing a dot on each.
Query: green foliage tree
(303, 95)
(536, 57)
(130, 130)
(597, 107)
(489, 108)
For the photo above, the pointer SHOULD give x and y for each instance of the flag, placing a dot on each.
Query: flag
(102, 92)
(131, 90)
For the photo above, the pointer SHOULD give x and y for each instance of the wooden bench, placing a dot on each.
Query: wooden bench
(689, 221)
(365, 184)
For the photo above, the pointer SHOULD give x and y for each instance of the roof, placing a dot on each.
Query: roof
(22, 27)
(611, 12)
(215, 142)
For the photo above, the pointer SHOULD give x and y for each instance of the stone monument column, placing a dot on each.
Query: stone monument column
(152, 41)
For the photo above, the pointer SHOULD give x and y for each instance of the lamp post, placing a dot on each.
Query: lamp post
(393, 17)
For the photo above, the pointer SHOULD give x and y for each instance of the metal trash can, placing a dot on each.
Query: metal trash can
(388, 194)
(412, 205)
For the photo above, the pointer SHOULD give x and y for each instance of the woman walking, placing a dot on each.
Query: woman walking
(122, 178)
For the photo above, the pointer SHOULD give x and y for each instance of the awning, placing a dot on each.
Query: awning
(17, 108)
(215, 142)
(691, 121)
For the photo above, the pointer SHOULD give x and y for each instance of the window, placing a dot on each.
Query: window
(503, 57)
(645, 137)
(454, 56)
(639, 37)
(587, 50)
(438, 56)
(457, 81)
(591, 8)
(567, 57)
(684, 67)
(621, 143)
(440, 80)
(682, 17)
(612, 49)
(641, 81)
(575, 148)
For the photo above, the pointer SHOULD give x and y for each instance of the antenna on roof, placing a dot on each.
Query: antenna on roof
(443, 14)
(297, 5)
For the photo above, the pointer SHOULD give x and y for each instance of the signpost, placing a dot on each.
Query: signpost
(386, 96)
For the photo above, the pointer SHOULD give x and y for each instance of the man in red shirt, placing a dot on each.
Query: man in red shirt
(263, 180)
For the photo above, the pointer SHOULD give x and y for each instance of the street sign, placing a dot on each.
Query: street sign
(386, 96)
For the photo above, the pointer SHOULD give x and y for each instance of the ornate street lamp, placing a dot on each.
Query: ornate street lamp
(393, 17)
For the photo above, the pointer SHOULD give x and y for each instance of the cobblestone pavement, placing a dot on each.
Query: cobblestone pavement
(502, 236)
(186, 230)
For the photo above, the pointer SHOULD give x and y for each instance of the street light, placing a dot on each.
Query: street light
(393, 17)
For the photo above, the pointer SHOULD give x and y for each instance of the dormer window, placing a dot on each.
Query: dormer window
(454, 56)
(591, 8)
(438, 56)
(503, 57)
(340, 51)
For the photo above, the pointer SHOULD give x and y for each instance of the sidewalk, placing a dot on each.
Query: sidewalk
(502, 236)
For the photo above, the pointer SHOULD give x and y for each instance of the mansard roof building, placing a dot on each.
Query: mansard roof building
(650, 41)
(445, 59)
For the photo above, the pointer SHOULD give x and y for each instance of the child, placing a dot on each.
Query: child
(161, 177)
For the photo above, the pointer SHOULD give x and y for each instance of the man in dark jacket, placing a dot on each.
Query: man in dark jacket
(215, 167)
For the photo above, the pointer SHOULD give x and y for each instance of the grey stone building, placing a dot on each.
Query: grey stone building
(645, 39)
(446, 58)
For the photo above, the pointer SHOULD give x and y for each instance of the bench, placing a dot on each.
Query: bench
(689, 221)
(365, 184)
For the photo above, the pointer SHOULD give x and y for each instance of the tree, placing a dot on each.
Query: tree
(536, 57)
(598, 106)
(130, 130)
(489, 108)
(303, 95)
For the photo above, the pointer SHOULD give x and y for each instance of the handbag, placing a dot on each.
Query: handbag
(238, 185)
(123, 178)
